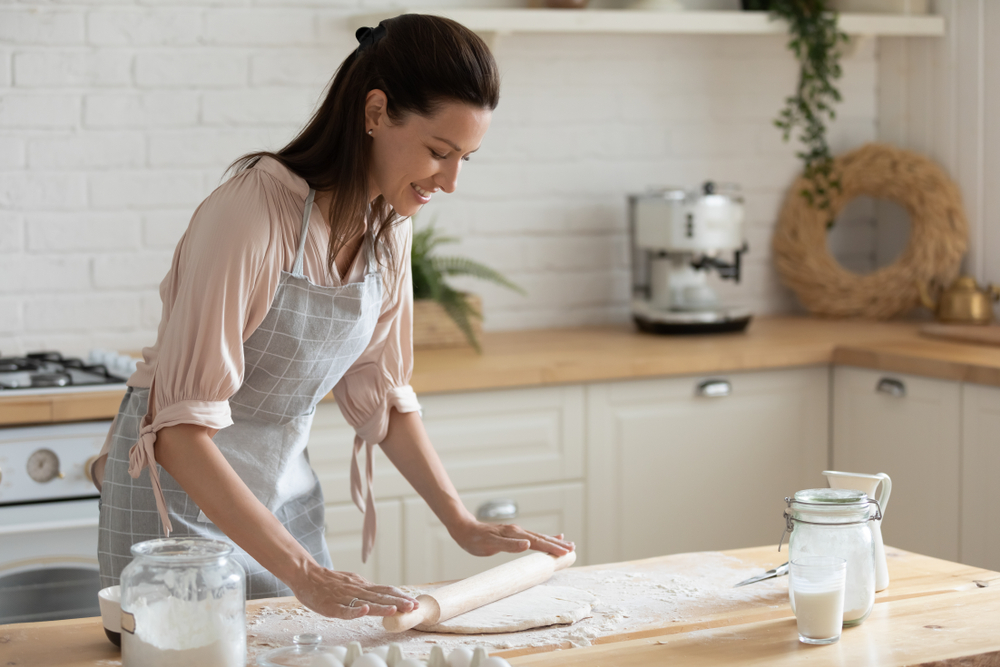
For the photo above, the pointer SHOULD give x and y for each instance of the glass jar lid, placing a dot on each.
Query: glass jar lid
(306, 650)
(182, 549)
(837, 497)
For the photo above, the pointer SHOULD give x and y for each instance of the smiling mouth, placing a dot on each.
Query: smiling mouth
(420, 191)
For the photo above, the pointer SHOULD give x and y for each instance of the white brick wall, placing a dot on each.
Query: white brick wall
(118, 117)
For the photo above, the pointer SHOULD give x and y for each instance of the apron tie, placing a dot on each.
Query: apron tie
(141, 456)
(366, 505)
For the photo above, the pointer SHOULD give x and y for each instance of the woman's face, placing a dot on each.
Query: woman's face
(421, 155)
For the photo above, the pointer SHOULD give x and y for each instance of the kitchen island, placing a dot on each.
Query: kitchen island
(935, 612)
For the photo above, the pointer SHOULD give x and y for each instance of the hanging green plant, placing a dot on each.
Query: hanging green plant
(816, 42)
(429, 274)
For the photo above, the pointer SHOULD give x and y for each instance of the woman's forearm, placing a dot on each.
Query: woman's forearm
(187, 452)
(409, 448)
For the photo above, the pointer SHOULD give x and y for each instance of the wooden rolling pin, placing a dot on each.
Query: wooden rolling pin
(478, 590)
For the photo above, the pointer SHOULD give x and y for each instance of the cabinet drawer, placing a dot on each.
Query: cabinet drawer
(343, 537)
(701, 463)
(430, 554)
(511, 437)
(908, 427)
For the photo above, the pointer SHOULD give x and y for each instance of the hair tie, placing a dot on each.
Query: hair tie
(369, 36)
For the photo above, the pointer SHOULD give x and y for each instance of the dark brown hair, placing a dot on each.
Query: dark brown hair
(420, 63)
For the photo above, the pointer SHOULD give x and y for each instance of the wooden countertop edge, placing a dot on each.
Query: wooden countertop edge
(617, 353)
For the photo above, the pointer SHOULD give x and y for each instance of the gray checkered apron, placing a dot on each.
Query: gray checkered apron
(308, 340)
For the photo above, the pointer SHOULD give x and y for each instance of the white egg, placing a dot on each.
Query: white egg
(380, 651)
(369, 660)
(339, 652)
(460, 657)
(325, 660)
(494, 662)
(410, 662)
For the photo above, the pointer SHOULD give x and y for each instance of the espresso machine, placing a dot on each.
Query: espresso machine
(677, 237)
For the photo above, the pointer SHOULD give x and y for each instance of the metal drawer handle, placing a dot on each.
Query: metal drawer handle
(497, 510)
(891, 386)
(714, 388)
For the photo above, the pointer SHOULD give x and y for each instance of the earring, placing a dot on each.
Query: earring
(369, 133)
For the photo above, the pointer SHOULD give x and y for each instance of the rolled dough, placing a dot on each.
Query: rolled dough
(536, 607)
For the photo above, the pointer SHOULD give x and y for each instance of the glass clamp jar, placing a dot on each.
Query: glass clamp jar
(183, 602)
(834, 522)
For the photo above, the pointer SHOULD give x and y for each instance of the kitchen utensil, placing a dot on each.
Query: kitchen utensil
(868, 484)
(963, 302)
(677, 236)
(779, 571)
(478, 590)
(834, 522)
(964, 333)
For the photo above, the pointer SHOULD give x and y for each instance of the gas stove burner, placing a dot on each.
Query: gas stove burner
(50, 379)
(39, 371)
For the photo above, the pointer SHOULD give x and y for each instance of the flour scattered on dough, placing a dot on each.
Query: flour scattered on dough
(629, 599)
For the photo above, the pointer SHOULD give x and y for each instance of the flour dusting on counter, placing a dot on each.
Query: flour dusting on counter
(686, 588)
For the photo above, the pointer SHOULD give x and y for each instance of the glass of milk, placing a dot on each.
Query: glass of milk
(816, 589)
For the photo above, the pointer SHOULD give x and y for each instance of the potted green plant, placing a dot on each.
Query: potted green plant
(434, 299)
(816, 42)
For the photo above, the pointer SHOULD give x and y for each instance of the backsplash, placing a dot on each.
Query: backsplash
(117, 120)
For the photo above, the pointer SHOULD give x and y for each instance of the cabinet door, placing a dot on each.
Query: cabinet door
(678, 465)
(343, 537)
(432, 555)
(980, 472)
(909, 428)
(485, 439)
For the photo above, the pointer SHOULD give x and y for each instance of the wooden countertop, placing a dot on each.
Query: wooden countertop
(603, 353)
(933, 613)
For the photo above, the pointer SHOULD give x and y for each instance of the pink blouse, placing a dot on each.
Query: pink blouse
(223, 277)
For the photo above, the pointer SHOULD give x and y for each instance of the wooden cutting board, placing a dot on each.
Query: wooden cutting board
(983, 334)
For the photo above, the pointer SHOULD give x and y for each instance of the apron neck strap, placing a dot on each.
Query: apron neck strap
(297, 267)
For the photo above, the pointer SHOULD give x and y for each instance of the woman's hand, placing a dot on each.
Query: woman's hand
(486, 539)
(330, 592)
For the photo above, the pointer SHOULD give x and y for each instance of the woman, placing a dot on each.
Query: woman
(293, 279)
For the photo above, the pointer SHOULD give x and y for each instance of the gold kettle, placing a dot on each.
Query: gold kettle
(963, 302)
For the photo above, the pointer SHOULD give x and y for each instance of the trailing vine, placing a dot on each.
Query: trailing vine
(816, 42)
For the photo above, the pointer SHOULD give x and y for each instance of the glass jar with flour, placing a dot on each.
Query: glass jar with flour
(183, 602)
(834, 522)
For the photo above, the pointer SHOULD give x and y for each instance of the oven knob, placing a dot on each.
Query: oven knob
(88, 465)
(43, 466)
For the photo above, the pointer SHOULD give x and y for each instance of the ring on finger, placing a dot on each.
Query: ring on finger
(353, 601)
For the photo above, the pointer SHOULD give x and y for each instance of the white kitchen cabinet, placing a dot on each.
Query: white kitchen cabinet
(343, 537)
(430, 554)
(485, 439)
(980, 543)
(495, 439)
(908, 427)
(670, 470)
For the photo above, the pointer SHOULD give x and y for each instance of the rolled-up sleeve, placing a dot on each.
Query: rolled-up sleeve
(380, 379)
(218, 290)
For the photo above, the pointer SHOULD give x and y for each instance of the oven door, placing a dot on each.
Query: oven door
(48, 561)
